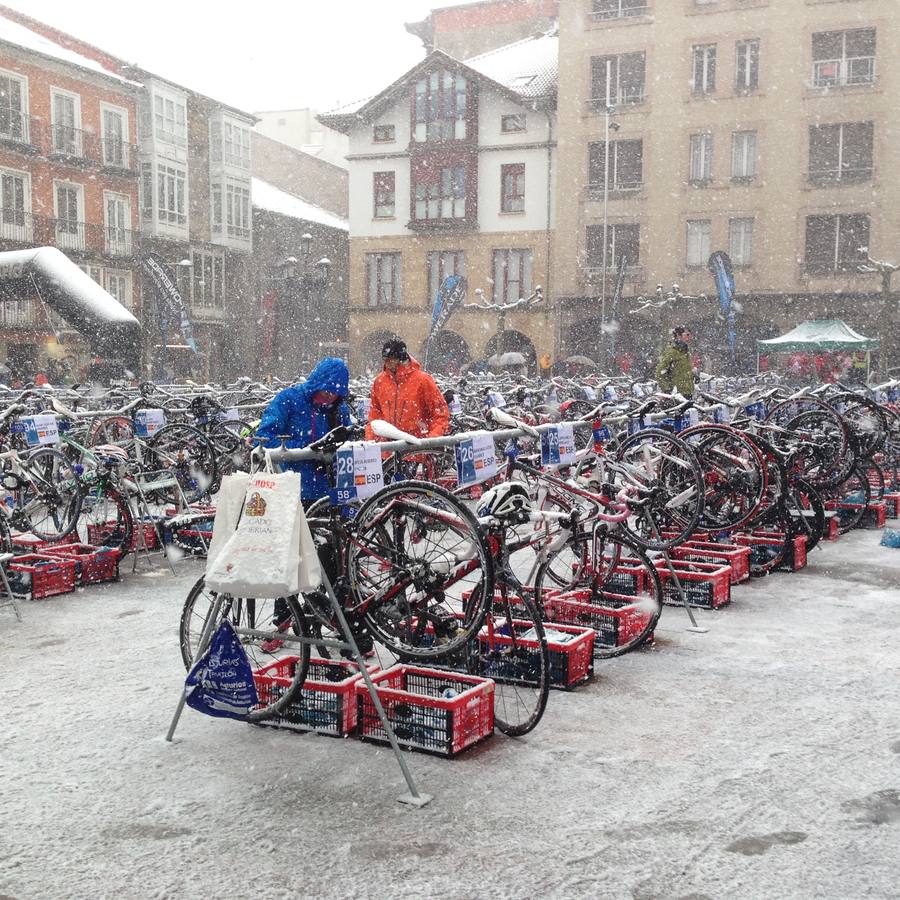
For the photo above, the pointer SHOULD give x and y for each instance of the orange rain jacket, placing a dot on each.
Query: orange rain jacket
(410, 400)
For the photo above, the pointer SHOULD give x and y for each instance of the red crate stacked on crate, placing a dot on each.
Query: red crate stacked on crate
(327, 702)
(431, 710)
(29, 543)
(709, 551)
(616, 619)
(707, 585)
(92, 564)
(571, 651)
(832, 526)
(99, 534)
(35, 576)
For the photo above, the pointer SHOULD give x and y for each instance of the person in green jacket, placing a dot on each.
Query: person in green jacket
(675, 369)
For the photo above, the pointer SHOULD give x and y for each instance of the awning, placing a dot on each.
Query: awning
(819, 334)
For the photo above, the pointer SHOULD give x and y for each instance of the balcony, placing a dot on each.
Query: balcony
(20, 227)
(839, 176)
(844, 72)
(627, 95)
(617, 190)
(20, 314)
(19, 131)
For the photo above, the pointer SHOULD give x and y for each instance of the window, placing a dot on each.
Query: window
(617, 80)
(701, 158)
(704, 80)
(229, 143)
(146, 192)
(207, 279)
(15, 203)
(384, 194)
(440, 107)
(512, 275)
(746, 72)
(740, 241)
(69, 223)
(118, 284)
(512, 188)
(743, 154)
(115, 137)
(626, 165)
(383, 134)
(618, 9)
(383, 279)
(169, 119)
(843, 57)
(698, 236)
(833, 242)
(622, 242)
(512, 123)
(841, 153)
(66, 123)
(171, 194)
(117, 214)
(237, 209)
(441, 265)
(13, 100)
(440, 193)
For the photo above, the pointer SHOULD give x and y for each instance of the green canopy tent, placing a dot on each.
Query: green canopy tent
(818, 334)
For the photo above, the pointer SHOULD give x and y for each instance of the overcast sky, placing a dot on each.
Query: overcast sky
(257, 54)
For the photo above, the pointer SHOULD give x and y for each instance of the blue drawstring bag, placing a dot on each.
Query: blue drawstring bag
(891, 538)
(220, 682)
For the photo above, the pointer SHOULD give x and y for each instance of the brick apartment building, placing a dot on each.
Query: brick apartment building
(68, 177)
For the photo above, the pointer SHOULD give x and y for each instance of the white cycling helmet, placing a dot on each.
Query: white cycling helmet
(508, 500)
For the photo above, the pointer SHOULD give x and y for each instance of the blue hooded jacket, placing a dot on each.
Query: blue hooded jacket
(292, 412)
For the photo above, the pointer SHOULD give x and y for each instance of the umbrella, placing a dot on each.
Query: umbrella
(581, 360)
(507, 359)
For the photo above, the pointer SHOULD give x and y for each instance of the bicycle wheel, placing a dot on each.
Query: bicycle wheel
(853, 497)
(185, 452)
(608, 583)
(106, 519)
(277, 617)
(420, 570)
(48, 500)
(774, 544)
(734, 475)
(511, 648)
(117, 430)
(670, 494)
(807, 512)
(232, 451)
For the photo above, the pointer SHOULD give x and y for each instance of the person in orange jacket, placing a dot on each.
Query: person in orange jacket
(406, 396)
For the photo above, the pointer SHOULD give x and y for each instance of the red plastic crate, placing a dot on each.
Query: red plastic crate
(892, 505)
(832, 526)
(35, 576)
(709, 551)
(798, 557)
(29, 542)
(695, 535)
(92, 564)
(99, 534)
(430, 710)
(875, 515)
(616, 621)
(571, 651)
(707, 585)
(326, 703)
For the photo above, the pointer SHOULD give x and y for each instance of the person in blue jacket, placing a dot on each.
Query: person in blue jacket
(306, 412)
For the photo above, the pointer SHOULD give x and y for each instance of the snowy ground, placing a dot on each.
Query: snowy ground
(761, 759)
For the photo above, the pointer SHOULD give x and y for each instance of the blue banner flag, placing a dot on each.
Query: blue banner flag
(722, 271)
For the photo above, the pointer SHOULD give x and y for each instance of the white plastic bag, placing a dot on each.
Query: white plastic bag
(229, 500)
(262, 557)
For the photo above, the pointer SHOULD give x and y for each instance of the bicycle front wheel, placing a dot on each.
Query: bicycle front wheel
(286, 663)
(50, 495)
(420, 570)
(604, 581)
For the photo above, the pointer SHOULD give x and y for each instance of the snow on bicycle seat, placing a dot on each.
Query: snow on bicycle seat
(390, 432)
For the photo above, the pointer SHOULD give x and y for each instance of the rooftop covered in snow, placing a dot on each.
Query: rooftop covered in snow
(267, 196)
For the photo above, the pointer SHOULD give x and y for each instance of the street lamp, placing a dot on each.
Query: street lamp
(303, 285)
(609, 111)
(886, 271)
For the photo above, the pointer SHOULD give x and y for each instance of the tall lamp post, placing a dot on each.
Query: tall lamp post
(304, 285)
(609, 111)
(886, 271)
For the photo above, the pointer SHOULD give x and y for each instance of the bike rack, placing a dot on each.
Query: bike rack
(9, 599)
